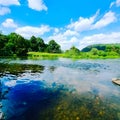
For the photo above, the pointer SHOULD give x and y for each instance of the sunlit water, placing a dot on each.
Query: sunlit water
(59, 89)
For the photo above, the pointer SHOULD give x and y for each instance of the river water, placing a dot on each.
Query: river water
(60, 89)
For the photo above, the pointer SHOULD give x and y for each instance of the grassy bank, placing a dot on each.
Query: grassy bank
(40, 55)
(82, 55)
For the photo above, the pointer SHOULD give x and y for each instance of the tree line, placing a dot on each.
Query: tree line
(15, 44)
(103, 50)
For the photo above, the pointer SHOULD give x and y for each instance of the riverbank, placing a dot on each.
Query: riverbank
(44, 55)
(82, 55)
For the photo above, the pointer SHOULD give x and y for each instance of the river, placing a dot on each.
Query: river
(60, 89)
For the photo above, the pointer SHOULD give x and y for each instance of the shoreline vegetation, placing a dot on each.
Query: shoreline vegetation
(39, 55)
(14, 45)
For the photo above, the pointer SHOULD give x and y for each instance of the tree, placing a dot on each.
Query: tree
(33, 44)
(22, 46)
(41, 45)
(8, 49)
(17, 44)
(3, 41)
(53, 47)
(94, 51)
(73, 51)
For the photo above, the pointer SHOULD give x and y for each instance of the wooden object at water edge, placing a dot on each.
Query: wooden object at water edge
(116, 81)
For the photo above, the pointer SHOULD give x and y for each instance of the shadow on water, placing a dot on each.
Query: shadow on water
(17, 69)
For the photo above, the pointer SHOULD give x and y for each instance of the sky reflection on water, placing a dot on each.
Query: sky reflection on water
(77, 77)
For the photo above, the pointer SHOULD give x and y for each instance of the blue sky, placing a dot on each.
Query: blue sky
(68, 22)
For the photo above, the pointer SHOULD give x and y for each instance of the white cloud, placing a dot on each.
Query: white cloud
(111, 5)
(56, 30)
(68, 33)
(107, 19)
(113, 37)
(3, 3)
(37, 5)
(4, 10)
(28, 31)
(9, 2)
(83, 24)
(9, 23)
(72, 35)
(118, 3)
(66, 42)
(66, 39)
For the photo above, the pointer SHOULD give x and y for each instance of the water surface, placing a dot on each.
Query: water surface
(59, 89)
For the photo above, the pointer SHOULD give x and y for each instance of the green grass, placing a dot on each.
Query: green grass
(40, 55)
(82, 55)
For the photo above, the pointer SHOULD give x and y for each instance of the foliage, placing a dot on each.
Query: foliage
(33, 44)
(73, 52)
(15, 44)
(53, 47)
(103, 47)
(102, 51)
(43, 55)
(41, 45)
(3, 41)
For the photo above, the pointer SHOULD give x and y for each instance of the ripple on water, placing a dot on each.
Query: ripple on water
(60, 89)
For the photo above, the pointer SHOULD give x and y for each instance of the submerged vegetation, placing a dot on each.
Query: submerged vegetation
(16, 45)
(90, 108)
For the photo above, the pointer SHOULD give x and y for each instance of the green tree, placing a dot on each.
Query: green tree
(22, 46)
(17, 44)
(33, 44)
(12, 39)
(102, 53)
(94, 51)
(3, 41)
(53, 47)
(73, 51)
(41, 45)
(8, 49)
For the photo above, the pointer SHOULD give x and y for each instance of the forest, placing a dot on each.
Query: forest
(14, 44)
